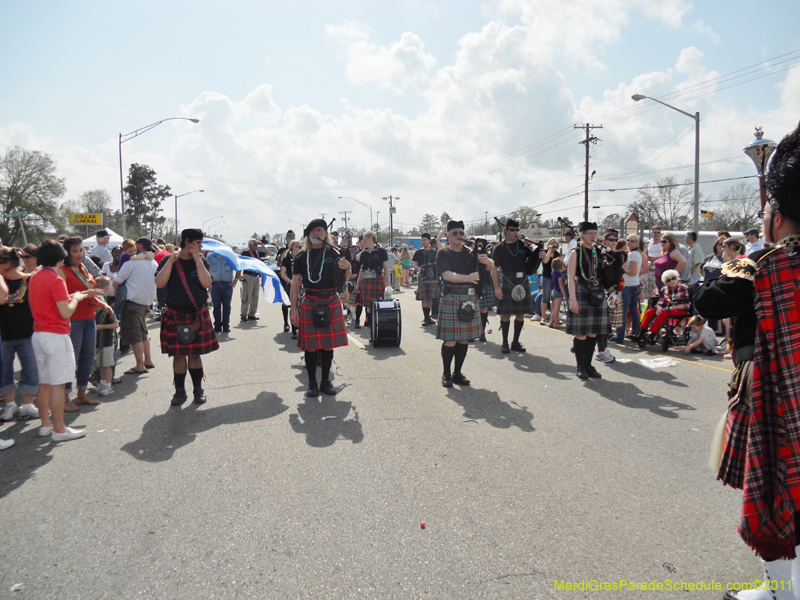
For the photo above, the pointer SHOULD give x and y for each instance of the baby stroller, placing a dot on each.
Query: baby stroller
(675, 330)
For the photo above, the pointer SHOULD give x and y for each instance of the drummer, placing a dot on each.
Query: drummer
(373, 278)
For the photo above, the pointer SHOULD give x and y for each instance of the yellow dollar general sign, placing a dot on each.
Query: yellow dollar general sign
(85, 218)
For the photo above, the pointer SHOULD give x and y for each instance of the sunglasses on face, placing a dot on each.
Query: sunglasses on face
(513, 228)
(671, 279)
(611, 240)
(457, 232)
(665, 241)
(26, 256)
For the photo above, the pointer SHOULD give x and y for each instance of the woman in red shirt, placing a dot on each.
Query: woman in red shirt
(82, 322)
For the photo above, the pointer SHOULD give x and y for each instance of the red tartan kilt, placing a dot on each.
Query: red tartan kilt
(734, 443)
(204, 342)
(371, 289)
(311, 338)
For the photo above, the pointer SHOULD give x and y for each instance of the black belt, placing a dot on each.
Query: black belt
(744, 353)
(251, 273)
(457, 289)
(320, 293)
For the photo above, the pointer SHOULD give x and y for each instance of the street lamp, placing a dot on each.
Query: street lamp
(124, 137)
(362, 204)
(177, 238)
(696, 118)
(209, 221)
(378, 223)
(759, 151)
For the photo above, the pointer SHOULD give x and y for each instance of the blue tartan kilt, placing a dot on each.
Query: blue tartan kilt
(488, 299)
(508, 306)
(311, 338)
(205, 340)
(428, 289)
(371, 289)
(589, 320)
(449, 327)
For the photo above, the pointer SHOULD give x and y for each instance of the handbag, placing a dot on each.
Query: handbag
(596, 295)
(187, 332)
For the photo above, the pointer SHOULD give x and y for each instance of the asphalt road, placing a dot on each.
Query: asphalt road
(527, 478)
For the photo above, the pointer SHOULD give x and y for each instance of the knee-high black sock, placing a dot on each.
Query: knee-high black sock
(461, 354)
(180, 381)
(602, 342)
(327, 361)
(285, 311)
(484, 320)
(197, 378)
(517, 329)
(504, 326)
(447, 358)
(311, 366)
(589, 350)
(577, 348)
(359, 310)
(426, 312)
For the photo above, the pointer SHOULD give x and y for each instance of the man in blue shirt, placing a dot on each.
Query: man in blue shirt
(225, 279)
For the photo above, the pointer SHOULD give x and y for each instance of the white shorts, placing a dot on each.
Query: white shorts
(105, 357)
(55, 357)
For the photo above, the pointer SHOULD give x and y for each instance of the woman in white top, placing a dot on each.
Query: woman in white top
(630, 293)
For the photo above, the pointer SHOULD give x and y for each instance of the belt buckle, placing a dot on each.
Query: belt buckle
(520, 274)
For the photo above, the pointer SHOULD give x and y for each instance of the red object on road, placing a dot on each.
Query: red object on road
(422, 525)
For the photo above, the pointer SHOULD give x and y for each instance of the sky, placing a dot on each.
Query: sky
(461, 107)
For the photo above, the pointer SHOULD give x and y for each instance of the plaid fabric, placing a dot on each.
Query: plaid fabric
(650, 283)
(449, 328)
(508, 306)
(488, 299)
(680, 295)
(734, 442)
(428, 289)
(614, 301)
(371, 289)
(204, 342)
(311, 338)
(772, 466)
(589, 320)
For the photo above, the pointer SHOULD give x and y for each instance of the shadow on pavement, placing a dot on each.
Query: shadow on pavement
(28, 453)
(163, 434)
(487, 405)
(638, 370)
(627, 394)
(308, 420)
(285, 343)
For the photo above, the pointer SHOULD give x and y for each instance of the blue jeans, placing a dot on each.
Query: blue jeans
(29, 382)
(537, 303)
(630, 302)
(119, 304)
(83, 333)
(221, 295)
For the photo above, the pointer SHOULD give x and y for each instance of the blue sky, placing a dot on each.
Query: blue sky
(303, 102)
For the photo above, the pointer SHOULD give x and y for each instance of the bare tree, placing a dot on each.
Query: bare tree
(667, 203)
(739, 210)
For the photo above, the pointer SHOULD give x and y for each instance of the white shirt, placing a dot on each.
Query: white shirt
(754, 247)
(633, 280)
(102, 251)
(140, 276)
(653, 251)
(573, 243)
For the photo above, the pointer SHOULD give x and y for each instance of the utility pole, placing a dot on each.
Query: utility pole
(323, 216)
(392, 210)
(345, 213)
(486, 225)
(589, 139)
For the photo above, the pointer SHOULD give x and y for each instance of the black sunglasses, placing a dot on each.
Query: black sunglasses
(611, 240)
(671, 279)
(513, 228)
(457, 232)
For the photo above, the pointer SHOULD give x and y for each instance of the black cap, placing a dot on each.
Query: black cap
(190, 235)
(454, 225)
(752, 231)
(570, 233)
(146, 243)
(314, 224)
(512, 223)
(587, 226)
(101, 233)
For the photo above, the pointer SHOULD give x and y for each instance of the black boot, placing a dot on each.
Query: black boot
(577, 346)
(589, 352)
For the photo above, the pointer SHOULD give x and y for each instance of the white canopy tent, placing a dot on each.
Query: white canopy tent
(116, 240)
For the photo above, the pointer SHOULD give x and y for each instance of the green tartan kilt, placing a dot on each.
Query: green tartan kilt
(428, 289)
(449, 327)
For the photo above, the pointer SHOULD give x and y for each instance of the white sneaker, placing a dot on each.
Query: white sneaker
(537, 318)
(28, 411)
(104, 388)
(9, 411)
(4, 444)
(605, 356)
(69, 434)
(45, 431)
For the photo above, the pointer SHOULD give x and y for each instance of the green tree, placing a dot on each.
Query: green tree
(525, 216)
(143, 199)
(612, 221)
(28, 181)
(444, 219)
(430, 224)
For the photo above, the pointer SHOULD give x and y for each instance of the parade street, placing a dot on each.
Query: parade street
(528, 480)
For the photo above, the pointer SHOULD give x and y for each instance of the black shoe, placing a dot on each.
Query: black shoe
(313, 390)
(460, 379)
(253, 318)
(326, 387)
(226, 329)
(505, 349)
(711, 353)
(294, 335)
(447, 381)
(429, 321)
(199, 396)
(581, 373)
(285, 328)
(218, 329)
(179, 398)
(517, 347)
(483, 336)
(244, 318)
(357, 325)
(592, 372)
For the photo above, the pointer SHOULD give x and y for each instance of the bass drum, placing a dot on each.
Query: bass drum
(386, 323)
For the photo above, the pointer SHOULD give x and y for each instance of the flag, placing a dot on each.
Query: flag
(270, 282)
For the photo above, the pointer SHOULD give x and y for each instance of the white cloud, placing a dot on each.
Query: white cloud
(701, 27)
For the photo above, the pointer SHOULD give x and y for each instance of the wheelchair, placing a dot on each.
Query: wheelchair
(675, 331)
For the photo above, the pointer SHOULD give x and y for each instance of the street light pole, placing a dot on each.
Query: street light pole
(392, 210)
(177, 238)
(209, 221)
(364, 204)
(759, 151)
(696, 118)
(124, 137)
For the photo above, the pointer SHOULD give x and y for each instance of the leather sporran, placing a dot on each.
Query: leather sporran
(597, 296)
(466, 312)
(321, 315)
(186, 333)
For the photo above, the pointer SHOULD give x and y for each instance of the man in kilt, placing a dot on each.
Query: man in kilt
(587, 317)
(611, 268)
(374, 276)
(491, 292)
(320, 271)
(458, 322)
(515, 260)
(762, 430)
(428, 284)
(186, 276)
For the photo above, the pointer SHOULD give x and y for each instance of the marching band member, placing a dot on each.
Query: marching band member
(428, 285)
(287, 264)
(319, 316)
(373, 279)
